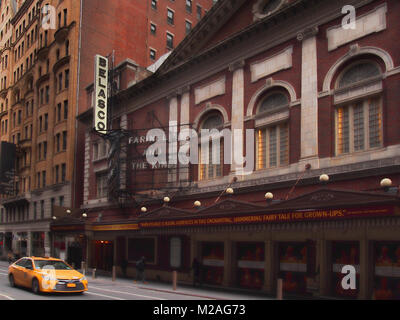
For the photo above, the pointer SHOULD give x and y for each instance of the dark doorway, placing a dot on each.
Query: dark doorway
(103, 255)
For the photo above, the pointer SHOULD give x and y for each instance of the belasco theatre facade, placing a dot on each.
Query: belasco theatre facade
(322, 101)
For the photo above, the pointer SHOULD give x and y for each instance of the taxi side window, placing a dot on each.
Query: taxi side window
(28, 264)
(21, 262)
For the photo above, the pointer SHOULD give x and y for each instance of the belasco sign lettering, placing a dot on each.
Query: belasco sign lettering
(101, 93)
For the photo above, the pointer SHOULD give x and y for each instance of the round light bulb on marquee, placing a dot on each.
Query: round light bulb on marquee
(269, 196)
(386, 182)
(324, 178)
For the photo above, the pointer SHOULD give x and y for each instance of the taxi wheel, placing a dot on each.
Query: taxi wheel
(11, 280)
(35, 286)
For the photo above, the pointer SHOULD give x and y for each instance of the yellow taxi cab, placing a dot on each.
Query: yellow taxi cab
(44, 274)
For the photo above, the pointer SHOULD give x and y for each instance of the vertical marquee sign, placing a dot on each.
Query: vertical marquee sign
(101, 93)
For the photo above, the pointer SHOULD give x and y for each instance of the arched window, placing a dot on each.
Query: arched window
(273, 102)
(358, 122)
(211, 148)
(357, 73)
(272, 139)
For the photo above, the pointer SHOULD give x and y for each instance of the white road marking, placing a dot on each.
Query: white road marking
(103, 295)
(4, 273)
(7, 297)
(129, 293)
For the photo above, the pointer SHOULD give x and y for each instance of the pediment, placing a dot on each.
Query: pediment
(165, 212)
(324, 198)
(230, 206)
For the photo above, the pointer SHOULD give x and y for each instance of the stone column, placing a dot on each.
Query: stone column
(47, 243)
(14, 242)
(309, 94)
(237, 121)
(29, 250)
(172, 140)
(184, 120)
(89, 238)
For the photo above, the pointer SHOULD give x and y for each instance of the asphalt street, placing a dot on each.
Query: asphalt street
(122, 289)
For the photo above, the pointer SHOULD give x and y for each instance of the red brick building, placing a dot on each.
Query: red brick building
(322, 103)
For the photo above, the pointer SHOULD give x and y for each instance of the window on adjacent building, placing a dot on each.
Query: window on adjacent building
(199, 12)
(101, 182)
(188, 26)
(189, 6)
(170, 41)
(154, 4)
(170, 16)
(152, 54)
(153, 28)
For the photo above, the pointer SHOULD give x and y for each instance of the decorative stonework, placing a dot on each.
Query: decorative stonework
(371, 22)
(258, 8)
(211, 90)
(307, 33)
(236, 65)
(279, 61)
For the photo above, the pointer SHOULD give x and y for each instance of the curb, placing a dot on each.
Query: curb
(183, 293)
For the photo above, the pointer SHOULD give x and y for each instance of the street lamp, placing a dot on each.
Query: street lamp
(84, 215)
(229, 191)
(143, 209)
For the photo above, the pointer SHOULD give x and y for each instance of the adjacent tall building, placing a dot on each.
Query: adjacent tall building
(47, 53)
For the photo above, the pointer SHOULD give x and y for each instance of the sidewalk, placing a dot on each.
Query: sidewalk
(206, 292)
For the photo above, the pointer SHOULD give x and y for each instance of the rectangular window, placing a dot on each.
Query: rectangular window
(170, 16)
(44, 178)
(188, 26)
(57, 172)
(42, 209)
(64, 139)
(101, 182)
(210, 164)
(66, 78)
(61, 201)
(170, 41)
(154, 4)
(65, 109)
(152, 54)
(189, 6)
(359, 126)
(63, 172)
(272, 146)
(153, 28)
(47, 94)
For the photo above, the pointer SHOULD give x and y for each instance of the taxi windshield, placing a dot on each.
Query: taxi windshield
(51, 264)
